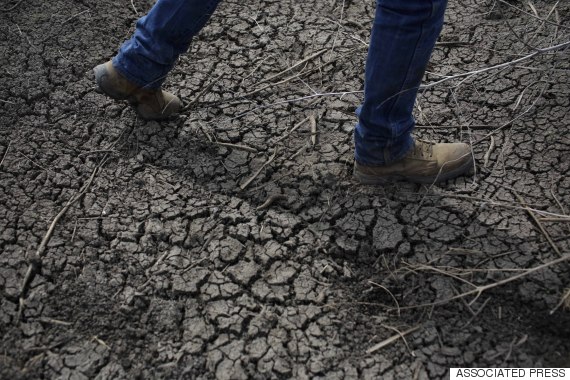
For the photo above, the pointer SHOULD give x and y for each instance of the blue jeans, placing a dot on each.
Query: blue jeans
(403, 36)
(159, 39)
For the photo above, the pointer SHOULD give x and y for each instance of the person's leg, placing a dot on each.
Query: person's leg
(143, 62)
(403, 37)
(160, 37)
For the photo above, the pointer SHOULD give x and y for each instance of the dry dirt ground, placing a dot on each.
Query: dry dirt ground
(171, 266)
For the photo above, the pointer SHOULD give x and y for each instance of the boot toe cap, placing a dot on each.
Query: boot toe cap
(173, 104)
(454, 154)
(151, 110)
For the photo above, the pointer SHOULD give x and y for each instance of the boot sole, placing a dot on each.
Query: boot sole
(367, 179)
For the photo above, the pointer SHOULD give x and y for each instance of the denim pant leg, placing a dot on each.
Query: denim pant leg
(160, 37)
(403, 36)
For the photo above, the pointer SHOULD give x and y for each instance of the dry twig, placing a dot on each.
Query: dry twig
(134, 8)
(295, 127)
(496, 67)
(564, 301)
(476, 313)
(295, 76)
(313, 122)
(227, 145)
(195, 264)
(562, 220)
(35, 264)
(95, 338)
(5, 153)
(295, 100)
(488, 153)
(75, 16)
(304, 60)
(254, 176)
(269, 85)
(508, 123)
(54, 321)
(389, 292)
(201, 93)
(12, 7)
(270, 200)
(392, 339)
(533, 15)
(539, 224)
(202, 249)
(478, 290)
(236, 146)
(401, 336)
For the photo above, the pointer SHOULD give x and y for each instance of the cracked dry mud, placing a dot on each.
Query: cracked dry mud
(166, 268)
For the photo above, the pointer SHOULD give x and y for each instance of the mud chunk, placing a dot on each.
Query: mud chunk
(241, 232)
(87, 359)
(387, 232)
(281, 273)
(226, 315)
(69, 374)
(306, 287)
(32, 329)
(435, 371)
(189, 282)
(316, 365)
(257, 348)
(230, 370)
(235, 160)
(350, 372)
(450, 351)
(228, 250)
(165, 315)
(8, 235)
(178, 230)
(284, 220)
(298, 346)
(438, 359)
(219, 286)
(10, 282)
(468, 357)
(347, 245)
(244, 271)
(7, 311)
(259, 324)
(443, 288)
(296, 318)
(111, 371)
(268, 292)
(225, 359)
(195, 325)
(356, 224)
(272, 251)
(266, 363)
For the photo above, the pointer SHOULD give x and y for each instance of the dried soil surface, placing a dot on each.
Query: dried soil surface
(171, 266)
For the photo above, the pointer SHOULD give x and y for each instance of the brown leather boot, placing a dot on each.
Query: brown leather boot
(426, 162)
(150, 104)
